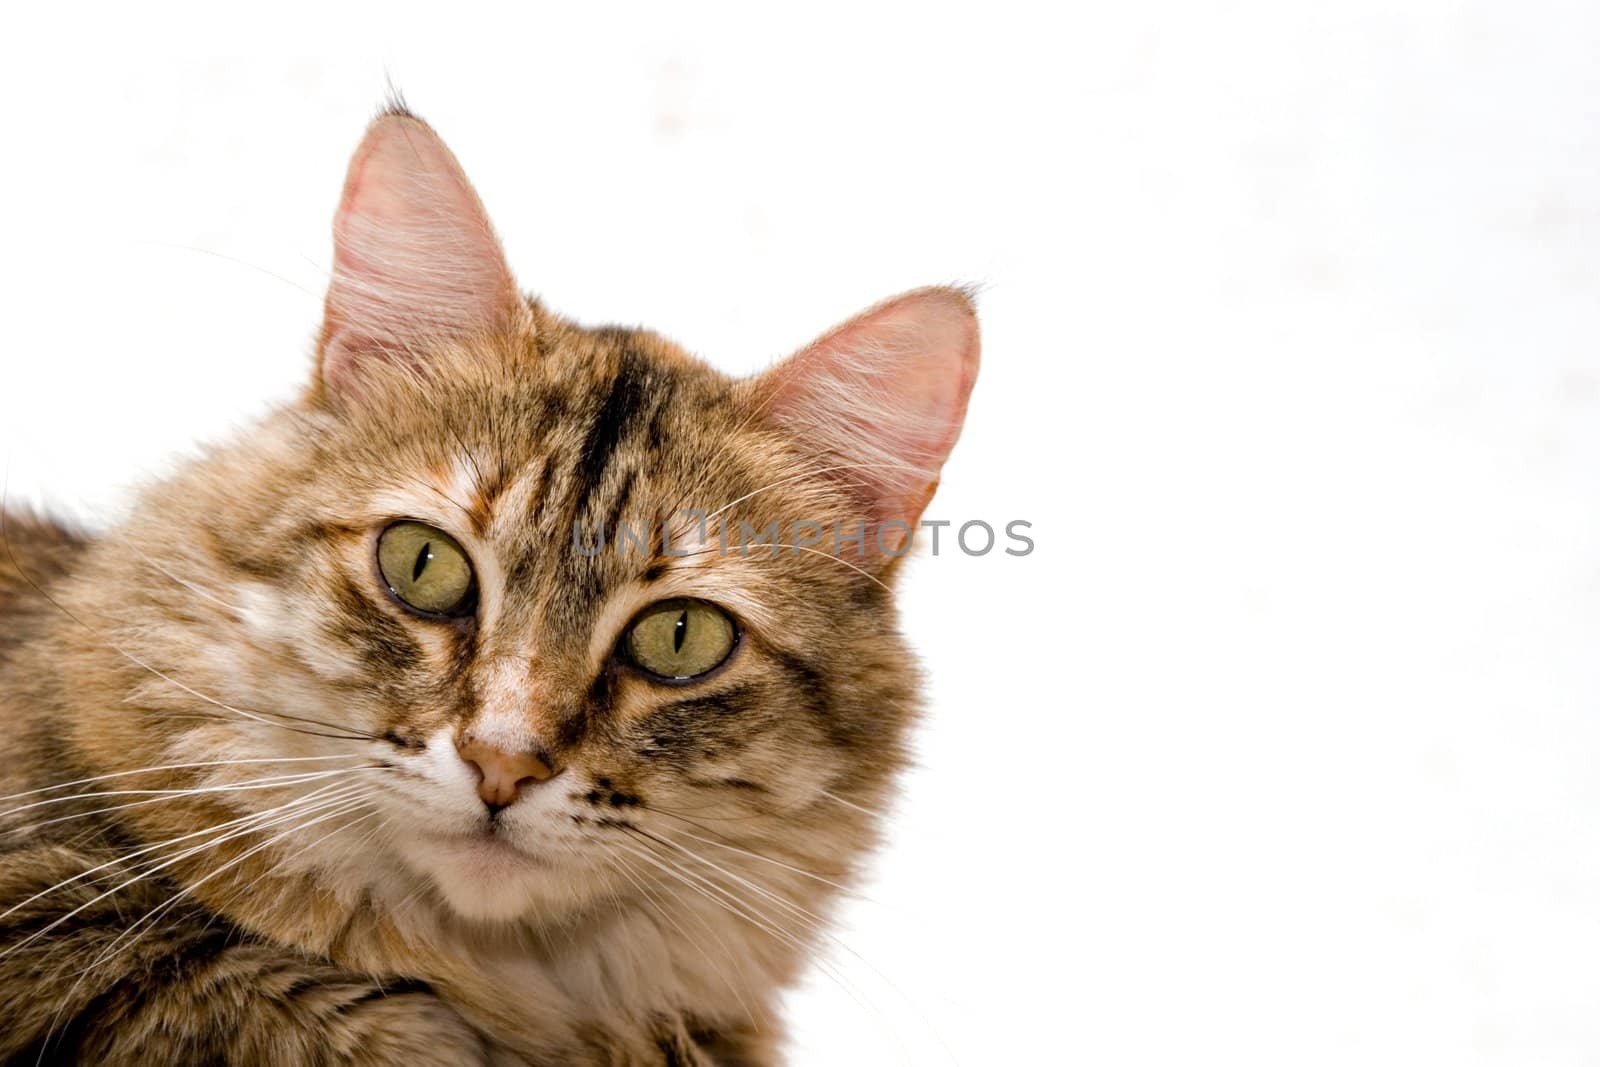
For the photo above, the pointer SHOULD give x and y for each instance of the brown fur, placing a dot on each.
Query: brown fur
(671, 880)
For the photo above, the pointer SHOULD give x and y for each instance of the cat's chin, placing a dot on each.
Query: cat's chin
(481, 878)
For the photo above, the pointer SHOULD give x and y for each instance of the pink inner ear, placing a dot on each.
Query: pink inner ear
(886, 393)
(415, 258)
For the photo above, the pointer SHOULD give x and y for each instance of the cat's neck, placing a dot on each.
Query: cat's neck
(657, 953)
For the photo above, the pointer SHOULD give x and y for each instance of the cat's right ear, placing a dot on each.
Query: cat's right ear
(415, 261)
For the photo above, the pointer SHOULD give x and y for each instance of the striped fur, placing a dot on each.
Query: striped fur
(236, 829)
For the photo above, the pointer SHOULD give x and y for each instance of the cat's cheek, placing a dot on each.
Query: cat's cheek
(439, 788)
(273, 620)
(450, 775)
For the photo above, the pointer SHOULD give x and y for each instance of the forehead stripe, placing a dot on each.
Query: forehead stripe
(634, 392)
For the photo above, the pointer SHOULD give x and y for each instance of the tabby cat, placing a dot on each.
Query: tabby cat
(363, 741)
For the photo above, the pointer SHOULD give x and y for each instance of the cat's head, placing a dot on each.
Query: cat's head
(500, 587)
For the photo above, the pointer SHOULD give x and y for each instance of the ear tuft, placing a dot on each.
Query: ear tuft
(415, 259)
(884, 396)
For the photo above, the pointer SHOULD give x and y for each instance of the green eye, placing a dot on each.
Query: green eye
(680, 639)
(426, 569)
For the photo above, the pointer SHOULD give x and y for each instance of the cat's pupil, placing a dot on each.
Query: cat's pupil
(424, 557)
(679, 629)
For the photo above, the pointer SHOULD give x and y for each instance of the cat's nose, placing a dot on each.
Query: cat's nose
(501, 774)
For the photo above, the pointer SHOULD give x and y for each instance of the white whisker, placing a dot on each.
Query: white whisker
(751, 913)
(154, 913)
(193, 588)
(662, 911)
(293, 807)
(124, 859)
(173, 767)
(753, 855)
(852, 804)
(272, 781)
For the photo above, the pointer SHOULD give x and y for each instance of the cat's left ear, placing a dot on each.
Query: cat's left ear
(881, 399)
(415, 261)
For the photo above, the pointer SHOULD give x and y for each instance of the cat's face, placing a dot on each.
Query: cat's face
(534, 657)
(535, 715)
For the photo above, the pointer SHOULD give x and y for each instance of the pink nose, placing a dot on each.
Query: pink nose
(502, 774)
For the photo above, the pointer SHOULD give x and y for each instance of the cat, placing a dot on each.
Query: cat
(339, 750)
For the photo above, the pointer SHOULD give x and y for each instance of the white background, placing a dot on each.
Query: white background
(1283, 745)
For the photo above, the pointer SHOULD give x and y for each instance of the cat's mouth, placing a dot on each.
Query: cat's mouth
(490, 843)
(483, 872)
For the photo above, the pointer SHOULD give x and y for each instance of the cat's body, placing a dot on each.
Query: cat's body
(240, 757)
